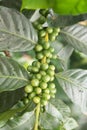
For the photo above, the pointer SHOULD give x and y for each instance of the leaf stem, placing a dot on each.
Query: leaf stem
(37, 117)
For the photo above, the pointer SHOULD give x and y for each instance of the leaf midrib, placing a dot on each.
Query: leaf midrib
(13, 77)
(15, 34)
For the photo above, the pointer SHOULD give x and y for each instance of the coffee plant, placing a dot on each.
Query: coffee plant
(39, 96)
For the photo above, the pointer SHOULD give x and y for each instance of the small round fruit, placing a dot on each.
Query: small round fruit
(52, 67)
(57, 30)
(51, 78)
(39, 56)
(42, 20)
(42, 33)
(36, 64)
(44, 66)
(48, 60)
(43, 85)
(46, 53)
(49, 29)
(53, 95)
(46, 78)
(47, 91)
(35, 82)
(50, 72)
(38, 90)
(43, 73)
(36, 99)
(29, 68)
(35, 69)
(51, 86)
(52, 37)
(44, 12)
(53, 91)
(51, 49)
(38, 76)
(39, 27)
(33, 94)
(38, 48)
(46, 96)
(28, 89)
(46, 45)
(44, 102)
(26, 101)
(54, 56)
(35, 24)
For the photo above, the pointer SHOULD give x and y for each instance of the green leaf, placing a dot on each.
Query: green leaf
(24, 122)
(8, 99)
(56, 20)
(76, 35)
(11, 3)
(16, 31)
(63, 52)
(61, 7)
(4, 117)
(74, 83)
(12, 75)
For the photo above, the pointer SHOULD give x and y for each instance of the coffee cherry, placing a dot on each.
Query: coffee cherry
(25, 101)
(52, 95)
(52, 67)
(29, 68)
(46, 45)
(51, 86)
(53, 91)
(38, 90)
(52, 37)
(51, 49)
(43, 85)
(35, 82)
(39, 56)
(46, 96)
(43, 73)
(31, 95)
(49, 30)
(44, 102)
(44, 66)
(39, 27)
(51, 78)
(57, 30)
(28, 89)
(38, 76)
(47, 91)
(54, 56)
(36, 64)
(35, 69)
(46, 78)
(38, 47)
(42, 33)
(44, 12)
(36, 99)
(48, 60)
(42, 20)
(35, 24)
(50, 72)
(47, 53)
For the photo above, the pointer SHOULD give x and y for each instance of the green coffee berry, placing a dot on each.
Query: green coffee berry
(44, 66)
(47, 91)
(38, 48)
(42, 20)
(52, 67)
(43, 73)
(51, 49)
(46, 78)
(35, 69)
(51, 78)
(28, 89)
(47, 53)
(29, 68)
(35, 82)
(39, 27)
(31, 95)
(25, 101)
(36, 99)
(43, 85)
(36, 64)
(46, 45)
(54, 56)
(46, 96)
(50, 72)
(44, 12)
(42, 33)
(49, 30)
(52, 37)
(38, 76)
(44, 102)
(39, 56)
(48, 60)
(38, 90)
(51, 86)
(53, 91)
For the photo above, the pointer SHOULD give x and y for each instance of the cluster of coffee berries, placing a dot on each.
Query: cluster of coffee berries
(41, 87)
